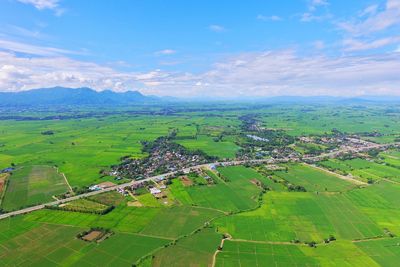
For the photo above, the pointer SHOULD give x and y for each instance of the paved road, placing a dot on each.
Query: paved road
(153, 178)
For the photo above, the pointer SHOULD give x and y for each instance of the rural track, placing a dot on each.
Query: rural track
(153, 178)
(346, 178)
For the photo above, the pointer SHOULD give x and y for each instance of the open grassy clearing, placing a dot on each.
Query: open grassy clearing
(32, 185)
(313, 179)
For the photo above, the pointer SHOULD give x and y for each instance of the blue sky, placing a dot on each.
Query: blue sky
(203, 48)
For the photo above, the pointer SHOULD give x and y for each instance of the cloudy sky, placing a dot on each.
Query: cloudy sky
(203, 48)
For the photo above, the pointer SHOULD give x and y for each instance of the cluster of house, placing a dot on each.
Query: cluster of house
(6, 170)
(257, 138)
(101, 186)
(165, 157)
(122, 191)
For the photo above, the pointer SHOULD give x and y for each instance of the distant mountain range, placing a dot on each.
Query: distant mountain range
(61, 96)
(69, 96)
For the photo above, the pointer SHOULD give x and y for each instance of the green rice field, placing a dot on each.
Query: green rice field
(32, 185)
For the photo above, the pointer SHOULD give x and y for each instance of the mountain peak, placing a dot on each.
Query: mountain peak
(72, 96)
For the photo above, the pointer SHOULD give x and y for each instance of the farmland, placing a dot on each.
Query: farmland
(236, 194)
(31, 185)
(281, 214)
(363, 169)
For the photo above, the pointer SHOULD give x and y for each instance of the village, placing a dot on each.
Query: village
(195, 170)
(164, 156)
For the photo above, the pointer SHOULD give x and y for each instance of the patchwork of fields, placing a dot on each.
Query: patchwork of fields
(273, 230)
(294, 215)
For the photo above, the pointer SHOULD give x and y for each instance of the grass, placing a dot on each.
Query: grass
(3, 185)
(286, 216)
(52, 245)
(82, 147)
(196, 250)
(222, 149)
(385, 252)
(111, 198)
(178, 221)
(313, 179)
(84, 205)
(253, 254)
(148, 200)
(234, 195)
(32, 185)
(339, 253)
(165, 222)
(364, 169)
(380, 203)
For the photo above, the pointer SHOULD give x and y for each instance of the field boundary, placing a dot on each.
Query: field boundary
(4, 189)
(65, 179)
(354, 181)
(390, 181)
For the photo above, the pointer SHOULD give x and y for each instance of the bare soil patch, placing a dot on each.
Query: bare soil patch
(3, 179)
(186, 181)
(93, 235)
(255, 182)
(106, 184)
(134, 204)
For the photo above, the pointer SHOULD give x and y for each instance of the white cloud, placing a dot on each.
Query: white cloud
(374, 21)
(285, 73)
(22, 73)
(45, 4)
(33, 49)
(313, 13)
(166, 52)
(216, 28)
(369, 10)
(256, 74)
(357, 45)
(373, 28)
(314, 4)
(308, 17)
(41, 4)
(269, 18)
